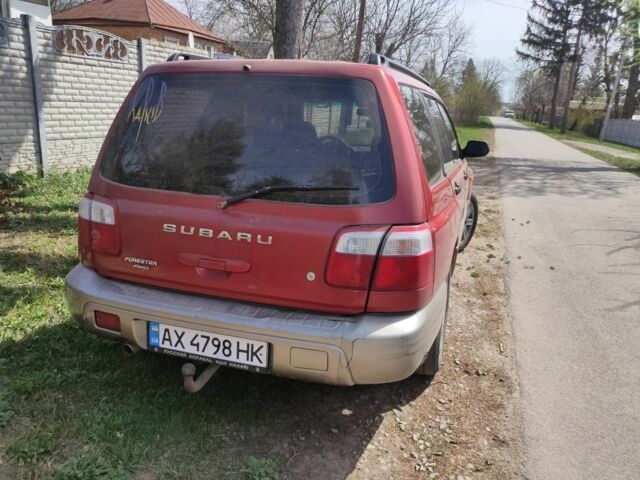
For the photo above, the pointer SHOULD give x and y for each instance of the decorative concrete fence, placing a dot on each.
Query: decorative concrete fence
(60, 88)
(626, 132)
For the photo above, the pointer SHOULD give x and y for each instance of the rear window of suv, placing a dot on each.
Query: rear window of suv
(226, 134)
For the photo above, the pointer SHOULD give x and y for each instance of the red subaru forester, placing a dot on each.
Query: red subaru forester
(297, 218)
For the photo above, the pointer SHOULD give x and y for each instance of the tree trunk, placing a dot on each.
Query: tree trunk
(571, 85)
(287, 36)
(359, 29)
(378, 40)
(630, 100)
(554, 99)
(556, 85)
(614, 92)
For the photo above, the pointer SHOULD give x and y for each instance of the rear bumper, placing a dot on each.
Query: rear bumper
(340, 350)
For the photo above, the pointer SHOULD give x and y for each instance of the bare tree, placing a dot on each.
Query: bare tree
(287, 34)
(338, 41)
(491, 72)
(446, 54)
(61, 5)
(398, 28)
(256, 18)
(192, 8)
(533, 95)
(394, 24)
(314, 24)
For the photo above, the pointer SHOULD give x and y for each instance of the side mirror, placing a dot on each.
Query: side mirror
(475, 148)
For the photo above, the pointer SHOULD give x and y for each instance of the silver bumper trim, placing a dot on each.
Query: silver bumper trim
(340, 350)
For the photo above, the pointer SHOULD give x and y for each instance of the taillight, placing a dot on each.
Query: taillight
(406, 260)
(97, 228)
(353, 257)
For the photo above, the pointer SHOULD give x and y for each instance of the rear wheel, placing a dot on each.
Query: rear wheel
(470, 222)
(432, 362)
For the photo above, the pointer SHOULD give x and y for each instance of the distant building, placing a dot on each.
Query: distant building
(36, 8)
(252, 49)
(150, 19)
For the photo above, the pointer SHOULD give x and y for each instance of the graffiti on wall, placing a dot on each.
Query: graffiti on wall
(72, 40)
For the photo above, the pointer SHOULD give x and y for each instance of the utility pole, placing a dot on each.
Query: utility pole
(614, 89)
(359, 29)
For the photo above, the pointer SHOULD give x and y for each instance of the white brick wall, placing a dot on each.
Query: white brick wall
(18, 149)
(81, 96)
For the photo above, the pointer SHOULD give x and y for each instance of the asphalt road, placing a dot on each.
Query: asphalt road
(572, 231)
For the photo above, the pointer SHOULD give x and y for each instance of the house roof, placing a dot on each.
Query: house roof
(252, 49)
(154, 13)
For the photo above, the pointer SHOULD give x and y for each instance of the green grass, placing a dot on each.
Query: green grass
(73, 406)
(577, 136)
(260, 469)
(627, 164)
(480, 131)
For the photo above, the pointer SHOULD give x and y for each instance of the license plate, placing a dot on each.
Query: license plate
(224, 350)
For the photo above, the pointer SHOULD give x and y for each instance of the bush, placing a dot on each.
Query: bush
(585, 121)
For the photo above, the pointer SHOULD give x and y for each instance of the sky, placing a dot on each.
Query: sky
(497, 28)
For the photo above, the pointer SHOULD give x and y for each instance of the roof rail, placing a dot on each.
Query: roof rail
(174, 57)
(378, 59)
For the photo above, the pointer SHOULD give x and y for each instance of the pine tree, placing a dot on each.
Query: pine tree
(469, 73)
(586, 21)
(556, 31)
(545, 42)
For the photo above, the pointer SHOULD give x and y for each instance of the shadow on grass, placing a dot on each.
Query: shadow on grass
(43, 264)
(85, 396)
(52, 221)
(29, 203)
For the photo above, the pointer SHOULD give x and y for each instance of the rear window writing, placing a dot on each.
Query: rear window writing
(225, 134)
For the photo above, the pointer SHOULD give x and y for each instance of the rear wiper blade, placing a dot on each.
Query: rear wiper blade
(261, 192)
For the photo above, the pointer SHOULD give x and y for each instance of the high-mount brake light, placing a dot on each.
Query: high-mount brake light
(353, 257)
(97, 228)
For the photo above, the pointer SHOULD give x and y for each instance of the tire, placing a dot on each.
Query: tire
(433, 361)
(470, 223)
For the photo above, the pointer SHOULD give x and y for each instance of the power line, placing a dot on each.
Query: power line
(506, 5)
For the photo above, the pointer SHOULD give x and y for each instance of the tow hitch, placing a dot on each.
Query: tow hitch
(194, 386)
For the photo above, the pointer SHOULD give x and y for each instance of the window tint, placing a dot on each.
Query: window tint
(345, 120)
(424, 132)
(225, 134)
(455, 147)
(446, 134)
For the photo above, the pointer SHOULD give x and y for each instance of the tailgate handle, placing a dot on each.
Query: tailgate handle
(219, 264)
